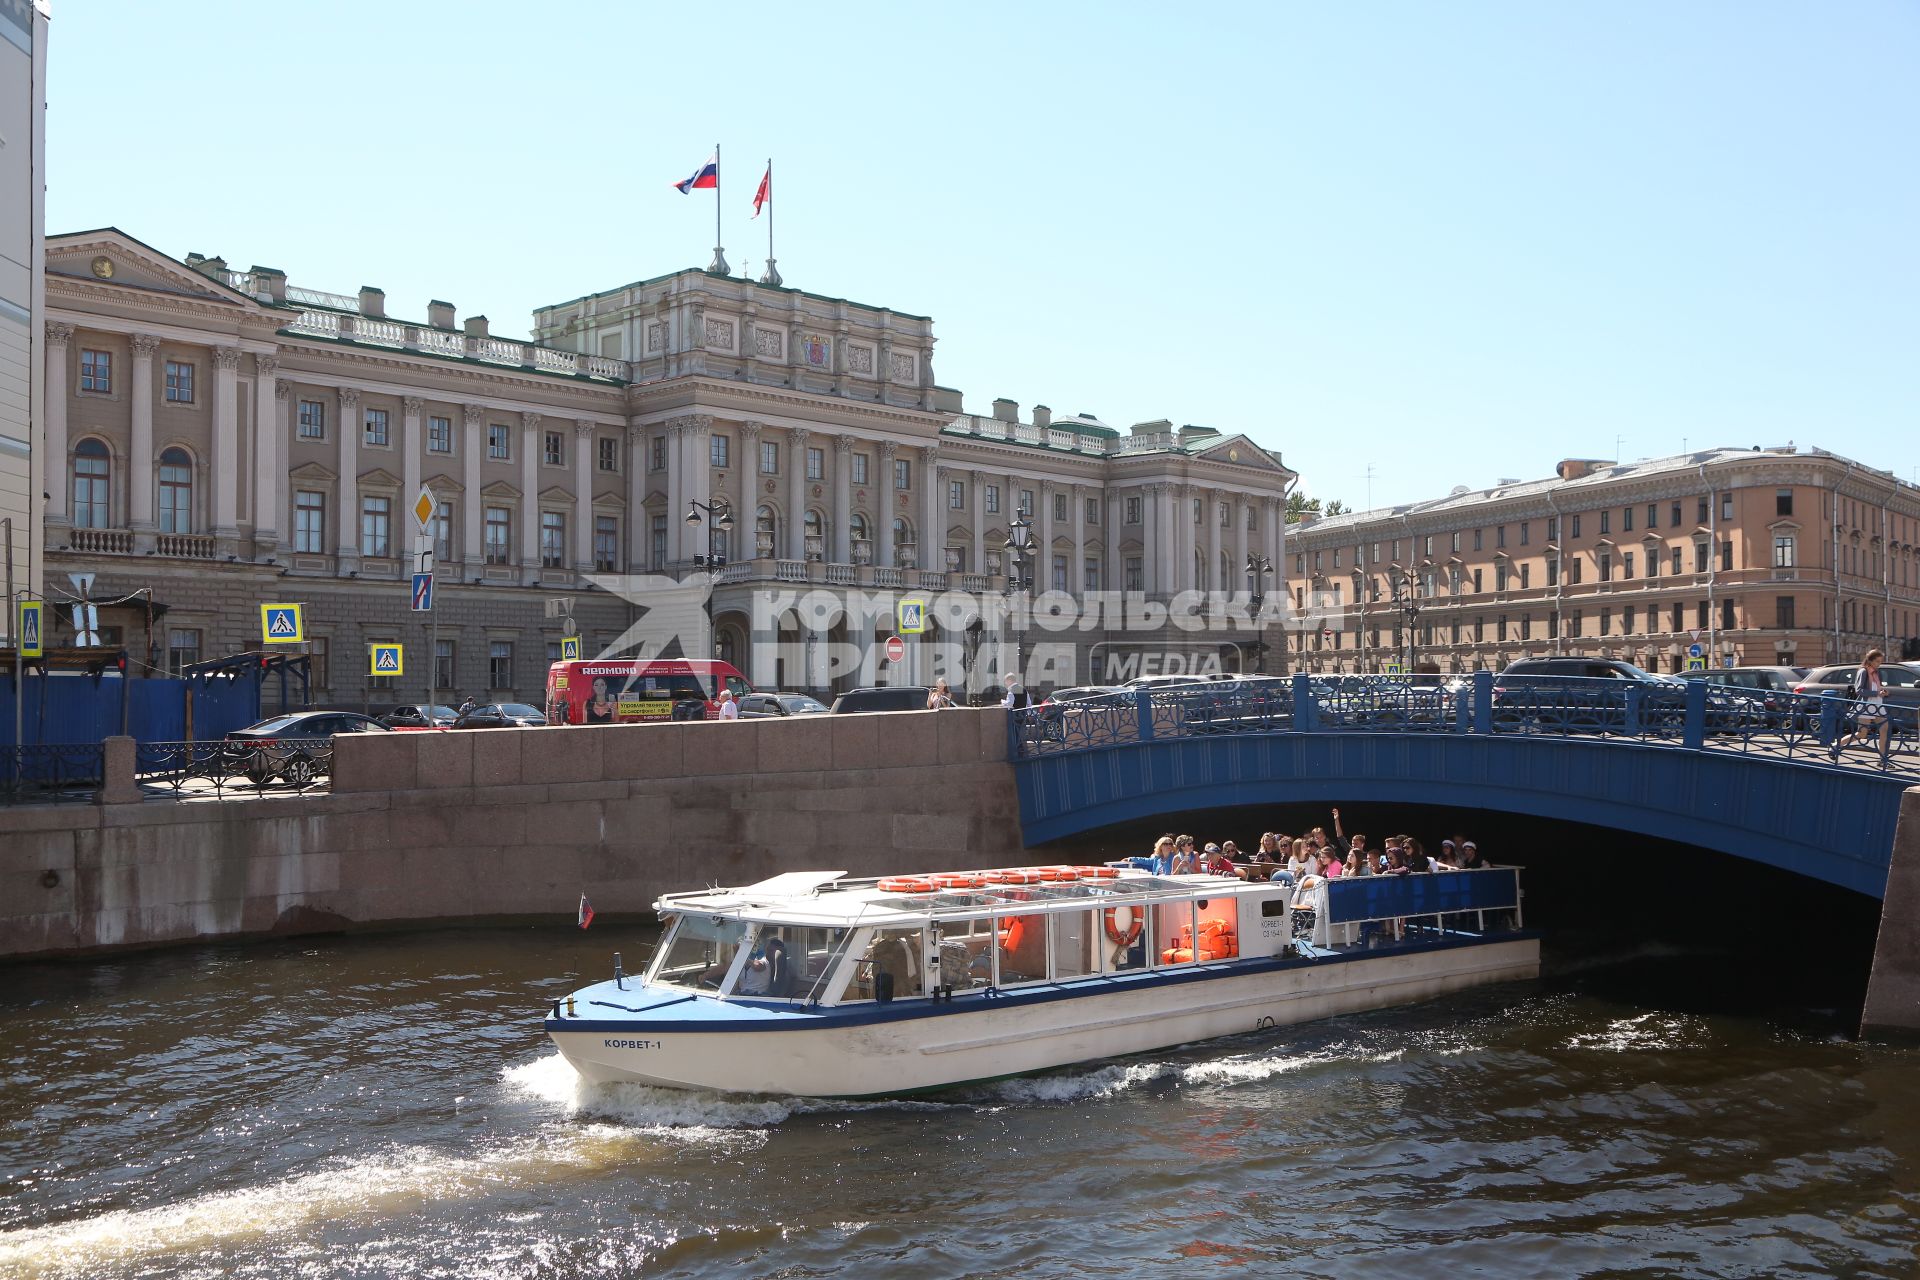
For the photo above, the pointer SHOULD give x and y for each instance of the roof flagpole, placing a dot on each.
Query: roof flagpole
(765, 195)
(719, 265)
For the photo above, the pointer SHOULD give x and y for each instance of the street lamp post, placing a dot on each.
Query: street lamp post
(1021, 552)
(1406, 599)
(721, 512)
(1259, 569)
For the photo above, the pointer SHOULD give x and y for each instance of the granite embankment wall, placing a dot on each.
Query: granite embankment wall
(443, 826)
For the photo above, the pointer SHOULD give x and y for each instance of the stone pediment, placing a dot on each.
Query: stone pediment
(380, 478)
(499, 490)
(553, 494)
(443, 484)
(312, 473)
(111, 257)
(611, 501)
(1238, 451)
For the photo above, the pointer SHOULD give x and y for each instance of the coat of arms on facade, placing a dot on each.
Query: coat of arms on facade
(816, 348)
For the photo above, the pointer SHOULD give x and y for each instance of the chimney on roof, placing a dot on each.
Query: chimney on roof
(272, 281)
(1006, 410)
(1042, 416)
(373, 302)
(1574, 468)
(476, 326)
(440, 314)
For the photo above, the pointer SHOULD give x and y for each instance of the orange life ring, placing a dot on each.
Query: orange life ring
(1098, 873)
(1130, 934)
(956, 880)
(1052, 874)
(1011, 876)
(906, 884)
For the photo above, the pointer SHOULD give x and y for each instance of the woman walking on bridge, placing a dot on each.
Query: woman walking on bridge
(1870, 695)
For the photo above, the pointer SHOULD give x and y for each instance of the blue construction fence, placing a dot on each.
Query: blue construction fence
(75, 707)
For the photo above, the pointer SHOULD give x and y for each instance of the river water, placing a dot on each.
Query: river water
(384, 1105)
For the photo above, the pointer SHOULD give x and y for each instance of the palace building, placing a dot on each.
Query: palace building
(1759, 556)
(217, 439)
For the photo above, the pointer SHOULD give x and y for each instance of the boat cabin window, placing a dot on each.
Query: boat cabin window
(1196, 932)
(966, 954)
(1070, 939)
(892, 968)
(699, 952)
(1123, 934)
(787, 961)
(1023, 948)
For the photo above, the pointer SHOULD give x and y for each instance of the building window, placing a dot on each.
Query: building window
(179, 382)
(499, 527)
(1477, 581)
(313, 420)
(439, 435)
(956, 495)
(553, 448)
(1726, 616)
(1133, 511)
(1575, 532)
(1677, 565)
(1525, 527)
(1606, 523)
(1700, 556)
(1526, 628)
(1026, 503)
(1093, 511)
(1060, 507)
(816, 463)
(1199, 511)
(1526, 572)
(609, 449)
(1478, 539)
(1500, 576)
(902, 474)
(1783, 549)
(376, 526)
(1134, 580)
(183, 648)
(1726, 556)
(1703, 510)
(902, 532)
(1500, 536)
(769, 457)
(320, 662)
(1626, 565)
(1679, 614)
(1606, 566)
(375, 430)
(657, 454)
(606, 544)
(1783, 502)
(1553, 571)
(443, 665)
(993, 499)
(1060, 573)
(1553, 529)
(657, 542)
(176, 492)
(91, 467)
(719, 452)
(553, 540)
(1653, 562)
(1783, 612)
(1626, 621)
(860, 462)
(1726, 507)
(499, 442)
(1653, 515)
(1675, 522)
(499, 664)
(310, 522)
(96, 371)
(1606, 622)
(1500, 632)
(443, 531)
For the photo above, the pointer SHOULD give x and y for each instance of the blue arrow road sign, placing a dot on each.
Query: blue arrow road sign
(422, 592)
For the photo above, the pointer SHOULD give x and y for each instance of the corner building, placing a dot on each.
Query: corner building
(225, 438)
(1760, 556)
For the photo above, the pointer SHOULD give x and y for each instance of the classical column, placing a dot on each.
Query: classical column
(267, 466)
(1077, 521)
(977, 485)
(1152, 532)
(797, 493)
(530, 497)
(1043, 566)
(638, 460)
(1216, 580)
(226, 442)
(843, 500)
(281, 429)
(931, 553)
(583, 448)
(140, 442)
(406, 530)
(348, 541)
(746, 531)
(883, 550)
(59, 484)
(699, 455)
(473, 443)
(676, 490)
(1239, 565)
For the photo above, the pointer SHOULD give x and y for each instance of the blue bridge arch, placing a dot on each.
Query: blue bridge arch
(1781, 802)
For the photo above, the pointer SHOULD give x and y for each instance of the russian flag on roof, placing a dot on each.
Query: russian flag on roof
(707, 175)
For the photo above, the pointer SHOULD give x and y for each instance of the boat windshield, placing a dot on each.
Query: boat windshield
(699, 952)
(788, 961)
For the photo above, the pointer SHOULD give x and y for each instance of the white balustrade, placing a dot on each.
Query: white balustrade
(440, 343)
(840, 575)
(496, 350)
(386, 333)
(884, 577)
(790, 570)
(324, 323)
(556, 361)
(102, 541)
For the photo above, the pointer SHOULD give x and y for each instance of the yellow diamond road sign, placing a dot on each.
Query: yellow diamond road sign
(423, 509)
(280, 624)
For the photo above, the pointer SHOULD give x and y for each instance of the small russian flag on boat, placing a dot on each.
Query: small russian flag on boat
(707, 175)
(586, 911)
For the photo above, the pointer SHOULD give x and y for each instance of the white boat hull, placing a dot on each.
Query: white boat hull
(977, 1038)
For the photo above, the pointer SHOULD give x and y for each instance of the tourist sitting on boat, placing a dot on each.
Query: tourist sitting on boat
(1186, 860)
(1470, 859)
(1447, 859)
(1217, 862)
(1160, 861)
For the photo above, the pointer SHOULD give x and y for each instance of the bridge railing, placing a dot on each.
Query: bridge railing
(1691, 714)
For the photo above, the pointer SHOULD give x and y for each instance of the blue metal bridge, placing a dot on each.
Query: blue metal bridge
(1748, 775)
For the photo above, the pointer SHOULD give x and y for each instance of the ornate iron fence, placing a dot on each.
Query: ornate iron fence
(52, 774)
(1691, 714)
(224, 765)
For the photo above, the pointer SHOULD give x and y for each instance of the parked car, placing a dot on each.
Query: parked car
(1081, 692)
(421, 716)
(765, 706)
(501, 715)
(295, 746)
(1903, 687)
(1581, 692)
(896, 697)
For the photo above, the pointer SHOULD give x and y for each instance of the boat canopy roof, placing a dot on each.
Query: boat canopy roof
(830, 898)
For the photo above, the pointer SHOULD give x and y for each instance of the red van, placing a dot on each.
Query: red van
(632, 690)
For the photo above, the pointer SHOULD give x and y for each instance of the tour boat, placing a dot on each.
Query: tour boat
(816, 984)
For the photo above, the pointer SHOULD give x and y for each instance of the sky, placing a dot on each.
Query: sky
(1403, 245)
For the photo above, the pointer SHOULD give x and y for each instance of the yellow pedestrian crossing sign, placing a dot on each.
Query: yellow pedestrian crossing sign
(385, 660)
(913, 617)
(1696, 664)
(569, 648)
(32, 635)
(280, 624)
